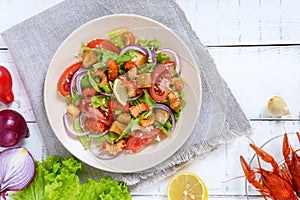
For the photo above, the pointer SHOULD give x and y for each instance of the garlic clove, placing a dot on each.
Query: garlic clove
(278, 107)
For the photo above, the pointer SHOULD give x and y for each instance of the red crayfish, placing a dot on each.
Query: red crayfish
(292, 162)
(282, 183)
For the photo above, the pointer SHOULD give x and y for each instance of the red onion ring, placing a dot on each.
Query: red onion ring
(106, 94)
(69, 129)
(153, 57)
(81, 122)
(17, 169)
(177, 60)
(166, 108)
(76, 79)
(133, 47)
(100, 135)
(134, 98)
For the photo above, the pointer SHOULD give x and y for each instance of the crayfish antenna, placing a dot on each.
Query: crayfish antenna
(233, 179)
(249, 138)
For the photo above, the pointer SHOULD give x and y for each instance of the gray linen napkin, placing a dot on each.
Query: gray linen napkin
(33, 43)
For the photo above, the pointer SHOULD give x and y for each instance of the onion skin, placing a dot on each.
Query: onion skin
(17, 169)
(13, 128)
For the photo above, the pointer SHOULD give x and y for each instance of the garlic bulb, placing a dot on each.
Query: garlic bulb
(278, 107)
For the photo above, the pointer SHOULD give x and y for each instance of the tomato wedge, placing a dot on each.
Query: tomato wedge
(141, 139)
(105, 44)
(160, 81)
(64, 82)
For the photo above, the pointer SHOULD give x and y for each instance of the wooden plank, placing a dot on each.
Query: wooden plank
(244, 22)
(255, 74)
(215, 22)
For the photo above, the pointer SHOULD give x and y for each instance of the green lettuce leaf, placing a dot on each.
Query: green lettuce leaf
(105, 189)
(56, 179)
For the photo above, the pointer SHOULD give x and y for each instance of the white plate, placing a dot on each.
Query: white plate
(143, 28)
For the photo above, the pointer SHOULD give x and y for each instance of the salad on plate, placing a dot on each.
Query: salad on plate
(123, 94)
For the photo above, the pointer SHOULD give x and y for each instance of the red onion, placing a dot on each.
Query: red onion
(13, 128)
(176, 57)
(106, 94)
(153, 57)
(76, 79)
(69, 128)
(135, 98)
(166, 108)
(133, 47)
(17, 169)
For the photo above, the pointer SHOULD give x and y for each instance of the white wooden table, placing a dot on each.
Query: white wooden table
(255, 45)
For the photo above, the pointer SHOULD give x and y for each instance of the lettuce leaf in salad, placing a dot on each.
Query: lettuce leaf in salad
(162, 58)
(57, 179)
(149, 43)
(102, 56)
(115, 37)
(146, 98)
(100, 101)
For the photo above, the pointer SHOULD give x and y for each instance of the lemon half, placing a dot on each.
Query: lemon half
(188, 186)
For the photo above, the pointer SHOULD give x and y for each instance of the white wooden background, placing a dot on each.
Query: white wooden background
(255, 44)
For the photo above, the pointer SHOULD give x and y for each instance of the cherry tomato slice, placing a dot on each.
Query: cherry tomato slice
(140, 140)
(91, 124)
(134, 145)
(160, 81)
(105, 44)
(64, 82)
